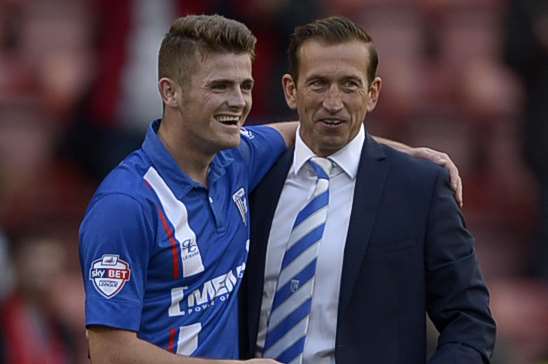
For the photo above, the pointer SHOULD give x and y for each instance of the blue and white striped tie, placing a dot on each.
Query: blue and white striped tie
(288, 322)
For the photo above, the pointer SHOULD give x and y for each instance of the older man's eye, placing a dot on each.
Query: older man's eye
(350, 85)
(219, 86)
(317, 84)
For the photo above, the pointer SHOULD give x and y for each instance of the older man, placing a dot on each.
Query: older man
(354, 242)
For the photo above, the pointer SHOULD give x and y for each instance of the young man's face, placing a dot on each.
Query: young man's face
(332, 94)
(217, 100)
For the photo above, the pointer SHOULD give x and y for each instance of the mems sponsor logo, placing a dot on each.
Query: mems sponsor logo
(212, 292)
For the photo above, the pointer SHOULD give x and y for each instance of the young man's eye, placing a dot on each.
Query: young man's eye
(247, 86)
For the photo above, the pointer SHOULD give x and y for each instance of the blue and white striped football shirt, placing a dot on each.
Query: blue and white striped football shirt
(163, 256)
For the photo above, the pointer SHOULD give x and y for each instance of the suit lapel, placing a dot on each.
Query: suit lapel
(264, 201)
(370, 181)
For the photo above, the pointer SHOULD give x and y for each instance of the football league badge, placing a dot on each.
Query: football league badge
(109, 275)
(239, 199)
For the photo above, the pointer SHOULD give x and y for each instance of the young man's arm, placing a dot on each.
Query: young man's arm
(112, 346)
(117, 225)
(287, 130)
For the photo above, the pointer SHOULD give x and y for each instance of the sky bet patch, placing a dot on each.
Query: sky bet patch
(109, 275)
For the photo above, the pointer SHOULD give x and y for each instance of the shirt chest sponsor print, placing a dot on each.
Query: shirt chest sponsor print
(109, 275)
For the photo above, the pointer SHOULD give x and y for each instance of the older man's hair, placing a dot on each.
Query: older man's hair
(332, 30)
(196, 36)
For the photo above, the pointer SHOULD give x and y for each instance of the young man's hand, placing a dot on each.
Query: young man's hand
(439, 158)
(445, 161)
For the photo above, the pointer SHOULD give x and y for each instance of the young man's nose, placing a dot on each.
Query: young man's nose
(237, 99)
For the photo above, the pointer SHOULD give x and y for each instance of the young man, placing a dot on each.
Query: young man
(165, 238)
(164, 241)
(354, 242)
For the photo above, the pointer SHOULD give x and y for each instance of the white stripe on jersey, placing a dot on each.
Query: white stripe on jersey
(187, 341)
(177, 214)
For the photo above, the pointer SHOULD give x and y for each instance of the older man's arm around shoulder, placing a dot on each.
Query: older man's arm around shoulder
(457, 297)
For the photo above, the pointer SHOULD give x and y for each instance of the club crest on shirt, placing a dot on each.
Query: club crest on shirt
(109, 275)
(241, 202)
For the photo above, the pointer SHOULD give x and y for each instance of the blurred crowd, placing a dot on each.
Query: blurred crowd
(78, 88)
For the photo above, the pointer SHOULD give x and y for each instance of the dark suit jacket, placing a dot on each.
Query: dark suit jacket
(407, 253)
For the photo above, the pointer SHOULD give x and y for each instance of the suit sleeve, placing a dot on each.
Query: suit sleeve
(457, 297)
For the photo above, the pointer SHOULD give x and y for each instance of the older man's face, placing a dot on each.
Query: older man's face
(332, 94)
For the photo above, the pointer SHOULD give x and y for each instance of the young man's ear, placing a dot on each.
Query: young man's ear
(373, 93)
(290, 89)
(168, 91)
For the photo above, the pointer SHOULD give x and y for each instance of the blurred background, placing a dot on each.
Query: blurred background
(78, 88)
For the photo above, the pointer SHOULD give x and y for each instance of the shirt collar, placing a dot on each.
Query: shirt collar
(179, 182)
(347, 158)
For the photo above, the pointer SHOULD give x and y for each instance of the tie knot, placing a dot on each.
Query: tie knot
(321, 166)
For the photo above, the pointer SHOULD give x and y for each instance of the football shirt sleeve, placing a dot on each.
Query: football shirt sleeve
(115, 238)
(261, 146)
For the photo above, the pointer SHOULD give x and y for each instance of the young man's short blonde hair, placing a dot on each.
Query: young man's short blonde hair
(197, 35)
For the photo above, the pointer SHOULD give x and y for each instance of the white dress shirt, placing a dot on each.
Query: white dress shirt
(319, 347)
